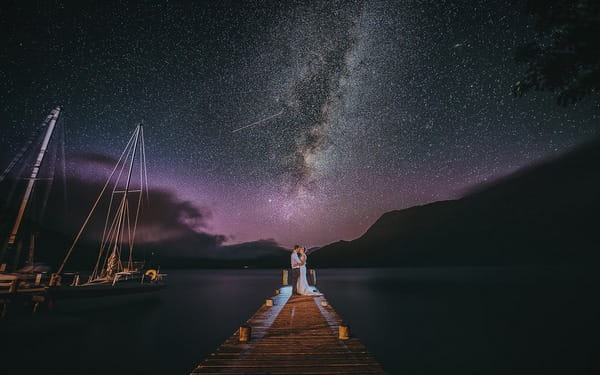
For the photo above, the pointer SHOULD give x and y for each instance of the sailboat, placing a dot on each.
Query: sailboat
(115, 277)
(26, 284)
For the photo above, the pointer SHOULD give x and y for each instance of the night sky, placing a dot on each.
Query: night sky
(300, 122)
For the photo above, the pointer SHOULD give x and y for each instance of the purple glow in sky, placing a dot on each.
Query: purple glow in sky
(367, 106)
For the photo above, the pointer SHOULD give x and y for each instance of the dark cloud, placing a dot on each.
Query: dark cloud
(250, 250)
(163, 216)
(188, 246)
(203, 246)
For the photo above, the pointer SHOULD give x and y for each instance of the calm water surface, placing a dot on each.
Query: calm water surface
(414, 320)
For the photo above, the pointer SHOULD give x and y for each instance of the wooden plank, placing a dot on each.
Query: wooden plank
(295, 336)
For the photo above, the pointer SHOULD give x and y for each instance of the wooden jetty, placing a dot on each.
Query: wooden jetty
(292, 334)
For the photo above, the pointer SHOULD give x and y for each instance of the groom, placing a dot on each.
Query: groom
(296, 263)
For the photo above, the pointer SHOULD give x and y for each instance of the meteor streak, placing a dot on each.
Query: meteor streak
(258, 122)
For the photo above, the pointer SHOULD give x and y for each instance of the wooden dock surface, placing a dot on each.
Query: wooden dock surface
(297, 335)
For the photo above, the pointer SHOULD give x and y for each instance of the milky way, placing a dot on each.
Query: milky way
(297, 121)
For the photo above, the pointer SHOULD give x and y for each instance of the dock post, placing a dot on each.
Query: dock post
(245, 332)
(269, 302)
(55, 279)
(36, 302)
(76, 280)
(344, 331)
(284, 280)
(13, 285)
(312, 277)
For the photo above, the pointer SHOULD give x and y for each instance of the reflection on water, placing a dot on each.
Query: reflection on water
(415, 321)
(520, 320)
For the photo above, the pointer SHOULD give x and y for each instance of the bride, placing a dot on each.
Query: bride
(303, 287)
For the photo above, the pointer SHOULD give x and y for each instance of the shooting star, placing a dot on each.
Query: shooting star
(258, 122)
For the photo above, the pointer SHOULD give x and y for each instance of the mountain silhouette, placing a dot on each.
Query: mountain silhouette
(544, 214)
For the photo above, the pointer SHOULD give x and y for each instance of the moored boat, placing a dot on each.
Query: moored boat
(113, 279)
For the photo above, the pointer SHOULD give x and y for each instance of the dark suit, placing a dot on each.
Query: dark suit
(295, 276)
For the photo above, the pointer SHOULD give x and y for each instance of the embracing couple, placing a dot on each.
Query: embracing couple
(299, 281)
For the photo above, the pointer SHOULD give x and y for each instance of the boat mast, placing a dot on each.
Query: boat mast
(114, 261)
(51, 120)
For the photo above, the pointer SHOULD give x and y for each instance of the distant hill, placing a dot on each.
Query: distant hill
(543, 214)
(256, 254)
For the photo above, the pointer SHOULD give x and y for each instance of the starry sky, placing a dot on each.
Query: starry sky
(297, 121)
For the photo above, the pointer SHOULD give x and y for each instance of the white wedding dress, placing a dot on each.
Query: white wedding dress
(303, 287)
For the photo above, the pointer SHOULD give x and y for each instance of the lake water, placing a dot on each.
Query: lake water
(522, 320)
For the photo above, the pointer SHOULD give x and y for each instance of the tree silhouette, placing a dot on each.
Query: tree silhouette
(564, 57)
